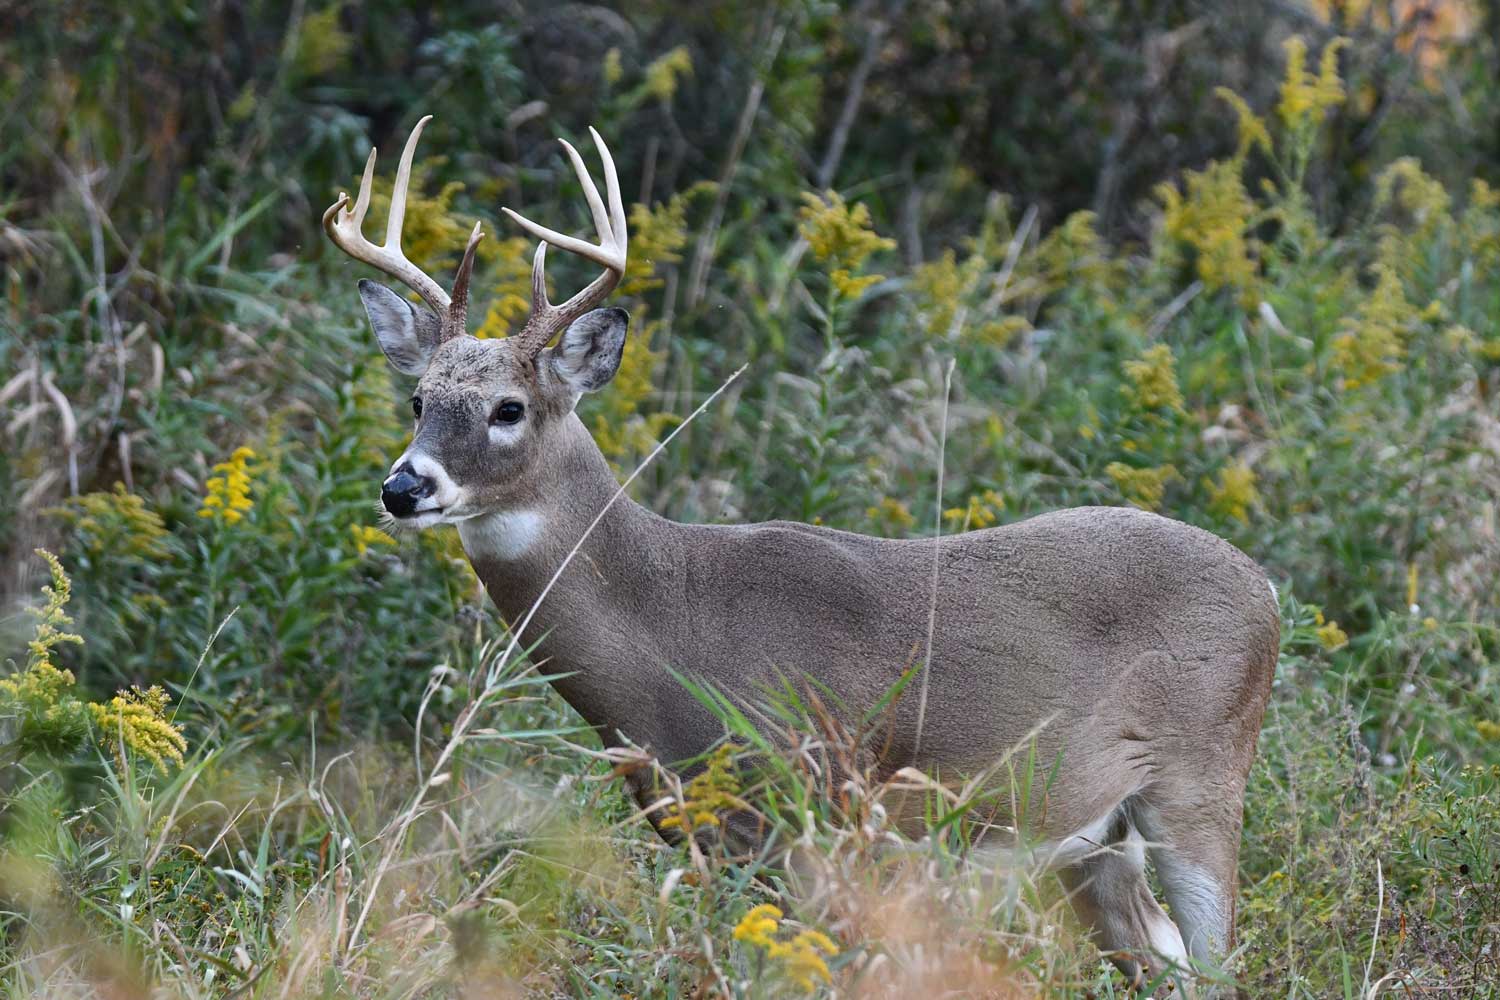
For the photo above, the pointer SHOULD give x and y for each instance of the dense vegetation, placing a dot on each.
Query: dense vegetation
(1066, 253)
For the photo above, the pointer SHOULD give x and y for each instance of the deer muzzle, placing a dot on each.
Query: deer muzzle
(403, 490)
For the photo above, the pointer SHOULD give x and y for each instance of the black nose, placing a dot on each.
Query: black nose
(403, 489)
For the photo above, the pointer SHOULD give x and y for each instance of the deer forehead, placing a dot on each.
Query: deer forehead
(469, 365)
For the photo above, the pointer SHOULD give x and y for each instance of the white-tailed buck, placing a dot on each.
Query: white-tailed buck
(1137, 652)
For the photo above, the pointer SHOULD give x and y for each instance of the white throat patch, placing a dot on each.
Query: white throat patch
(506, 536)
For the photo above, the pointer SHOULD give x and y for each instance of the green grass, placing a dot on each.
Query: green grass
(382, 798)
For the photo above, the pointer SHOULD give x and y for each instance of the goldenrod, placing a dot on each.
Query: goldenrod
(1234, 493)
(1153, 380)
(1145, 488)
(228, 494)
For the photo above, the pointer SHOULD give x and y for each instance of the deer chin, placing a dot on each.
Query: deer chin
(417, 521)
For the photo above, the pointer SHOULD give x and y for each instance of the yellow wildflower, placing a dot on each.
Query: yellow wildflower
(1418, 194)
(979, 512)
(758, 927)
(1430, 623)
(712, 792)
(1480, 224)
(1306, 98)
(228, 494)
(842, 238)
(612, 70)
(893, 512)
(657, 236)
(1145, 488)
(619, 428)
(663, 72)
(1489, 730)
(939, 287)
(510, 287)
(139, 720)
(47, 717)
(1372, 344)
(51, 618)
(1211, 217)
(803, 957)
(117, 522)
(1153, 380)
(1330, 635)
(1000, 332)
(1234, 493)
(852, 286)
(1252, 128)
(1459, 339)
(1073, 255)
(366, 535)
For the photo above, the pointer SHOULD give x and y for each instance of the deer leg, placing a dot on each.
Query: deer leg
(1195, 850)
(1109, 893)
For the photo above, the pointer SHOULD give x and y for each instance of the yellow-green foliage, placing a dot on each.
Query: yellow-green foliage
(1211, 218)
(657, 236)
(48, 717)
(940, 287)
(1307, 97)
(509, 282)
(1151, 381)
(664, 72)
(1233, 493)
(117, 523)
(1073, 256)
(367, 536)
(1373, 342)
(619, 428)
(37, 698)
(894, 515)
(322, 45)
(843, 238)
(612, 68)
(1145, 488)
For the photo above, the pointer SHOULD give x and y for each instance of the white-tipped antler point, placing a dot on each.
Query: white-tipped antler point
(609, 223)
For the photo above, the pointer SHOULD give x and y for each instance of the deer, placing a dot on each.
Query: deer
(1135, 650)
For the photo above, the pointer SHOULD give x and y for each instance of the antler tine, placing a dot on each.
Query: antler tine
(612, 189)
(458, 310)
(610, 253)
(345, 226)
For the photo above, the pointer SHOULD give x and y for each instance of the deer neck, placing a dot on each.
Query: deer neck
(589, 623)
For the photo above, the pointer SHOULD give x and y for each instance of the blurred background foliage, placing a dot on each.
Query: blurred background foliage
(1236, 262)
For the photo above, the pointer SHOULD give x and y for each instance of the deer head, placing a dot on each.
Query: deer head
(487, 411)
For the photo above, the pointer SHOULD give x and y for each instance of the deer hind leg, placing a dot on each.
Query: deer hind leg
(1195, 849)
(1109, 892)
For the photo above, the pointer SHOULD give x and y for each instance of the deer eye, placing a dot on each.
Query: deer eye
(416, 406)
(507, 412)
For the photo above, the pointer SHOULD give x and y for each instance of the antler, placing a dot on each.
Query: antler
(547, 319)
(345, 227)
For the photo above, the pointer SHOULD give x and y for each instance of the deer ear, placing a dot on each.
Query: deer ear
(407, 333)
(588, 355)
